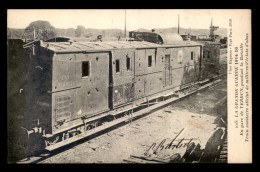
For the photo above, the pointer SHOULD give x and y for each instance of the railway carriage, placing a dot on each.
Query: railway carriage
(75, 86)
(210, 59)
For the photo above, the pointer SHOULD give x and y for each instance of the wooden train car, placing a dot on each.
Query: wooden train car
(70, 82)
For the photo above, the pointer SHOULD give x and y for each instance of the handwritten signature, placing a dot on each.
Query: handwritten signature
(181, 143)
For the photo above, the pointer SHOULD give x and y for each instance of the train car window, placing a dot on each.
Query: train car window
(127, 63)
(191, 55)
(149, 61)
(117, 66)
(85, 68)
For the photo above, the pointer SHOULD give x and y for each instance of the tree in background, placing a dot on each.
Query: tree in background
(15, 33)
(43, 30)
(9, 33)
(80, 31)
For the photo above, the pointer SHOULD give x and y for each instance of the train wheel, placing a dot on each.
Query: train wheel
(51, 141)
(87, 127)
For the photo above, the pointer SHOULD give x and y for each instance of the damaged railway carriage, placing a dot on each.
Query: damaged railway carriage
(75, 86)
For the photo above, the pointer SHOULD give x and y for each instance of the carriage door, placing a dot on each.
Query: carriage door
(93, 71)
(167, 71)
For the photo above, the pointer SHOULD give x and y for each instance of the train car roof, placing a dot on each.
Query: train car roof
(76, 47)
(208, 42)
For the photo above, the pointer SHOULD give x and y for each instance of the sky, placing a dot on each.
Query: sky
(115, 19)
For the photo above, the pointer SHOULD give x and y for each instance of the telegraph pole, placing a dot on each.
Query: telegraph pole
(212, 28)
(34, 34)
(125, 23)
(211, 32)
(178, 24)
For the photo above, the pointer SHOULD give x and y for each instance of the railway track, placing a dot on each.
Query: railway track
(60, 147)
(223, 154)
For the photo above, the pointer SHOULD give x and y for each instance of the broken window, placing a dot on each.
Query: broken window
(127, 63)
(85, 68)
(117, 66)
(149, 61)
